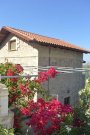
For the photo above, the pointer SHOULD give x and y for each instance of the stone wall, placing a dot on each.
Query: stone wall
(64, 85)
(25, 54)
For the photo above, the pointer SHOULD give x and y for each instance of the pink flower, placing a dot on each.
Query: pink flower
(19, 68)
(25, 111)
(52, 72)
(10, 72)
(44, 76)
(46, 116)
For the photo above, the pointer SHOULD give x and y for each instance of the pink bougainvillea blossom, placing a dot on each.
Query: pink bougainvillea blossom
(19, 68)
(46, 116)
(44, 76)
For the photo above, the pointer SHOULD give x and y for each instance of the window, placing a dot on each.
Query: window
(67, 101)
(12, 45)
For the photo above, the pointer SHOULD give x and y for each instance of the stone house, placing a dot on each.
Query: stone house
(31, 49)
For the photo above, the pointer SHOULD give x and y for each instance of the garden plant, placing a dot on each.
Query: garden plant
(47, 116)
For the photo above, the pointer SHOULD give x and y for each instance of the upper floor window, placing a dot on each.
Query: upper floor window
(12, 45)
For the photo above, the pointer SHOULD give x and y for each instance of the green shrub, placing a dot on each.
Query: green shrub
(4, 131)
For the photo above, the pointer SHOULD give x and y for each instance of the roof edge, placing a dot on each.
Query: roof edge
(39, 38)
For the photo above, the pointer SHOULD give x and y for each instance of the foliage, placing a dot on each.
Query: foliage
(87, 74)
(4, 131)
(23, 89)
(46, 117)
(20, 89)
(79, 122)
(83, 110)
(85, 95)
(53, 118)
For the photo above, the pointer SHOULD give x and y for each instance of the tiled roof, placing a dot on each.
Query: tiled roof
(28, 36)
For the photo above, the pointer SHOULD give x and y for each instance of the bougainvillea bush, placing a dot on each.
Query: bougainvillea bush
(45, 117)
(21, 89)
(53, 118)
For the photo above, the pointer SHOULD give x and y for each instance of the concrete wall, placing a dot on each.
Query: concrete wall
(59, 57)
(63, 85)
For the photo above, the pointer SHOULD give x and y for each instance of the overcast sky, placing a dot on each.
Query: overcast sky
(68, 20)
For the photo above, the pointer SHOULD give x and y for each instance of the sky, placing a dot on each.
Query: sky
(68, 20)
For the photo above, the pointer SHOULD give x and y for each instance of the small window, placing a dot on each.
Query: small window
(12, 45)
(67, 101)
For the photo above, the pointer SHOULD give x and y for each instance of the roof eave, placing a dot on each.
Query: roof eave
(62, 47)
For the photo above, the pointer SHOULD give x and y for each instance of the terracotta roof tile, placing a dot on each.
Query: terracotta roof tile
(28, 36)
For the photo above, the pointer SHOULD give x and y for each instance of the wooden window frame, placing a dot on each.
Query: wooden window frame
(9, 45)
